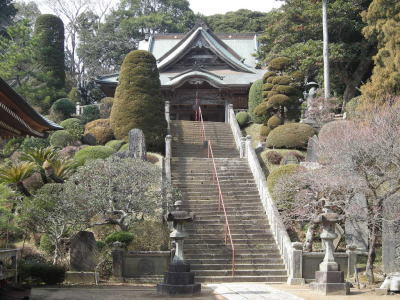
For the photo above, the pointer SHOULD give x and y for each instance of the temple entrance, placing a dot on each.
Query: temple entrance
(211, 112)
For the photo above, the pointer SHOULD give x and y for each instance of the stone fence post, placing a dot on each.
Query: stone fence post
(351, 260)
(243, 147)
(167, 116)
(296, 276)
(248, 146)
(118, 253)
(78, 109)
(168, 155)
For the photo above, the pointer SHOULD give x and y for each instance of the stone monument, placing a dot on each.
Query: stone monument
(391, 235)
(82, 253)
(179, 280)
(137, 144)
(312, 149)
(329, 280)
(356, 224)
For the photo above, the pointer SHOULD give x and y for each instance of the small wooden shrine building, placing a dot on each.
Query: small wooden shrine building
(201, 68)
(18, 118)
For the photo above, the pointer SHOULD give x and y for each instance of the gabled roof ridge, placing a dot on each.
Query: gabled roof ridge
(216, 44)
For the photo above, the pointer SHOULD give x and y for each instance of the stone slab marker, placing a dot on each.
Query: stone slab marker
(83, 250)
(356, 224)
(391, 236)
(137, 144)
(312, 149)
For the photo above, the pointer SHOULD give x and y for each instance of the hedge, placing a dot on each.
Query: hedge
(242, 118)
(255, 99)
(61, 139)
(93, 152)
(279, 173)
(74, 127)
(101, 130)
(90, 113)
(138, 102)
(43, 273)
(115, 144)
(291, 136)
(120, 236)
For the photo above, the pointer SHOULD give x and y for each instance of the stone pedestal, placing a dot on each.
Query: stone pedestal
(330, 283)
(179, 280)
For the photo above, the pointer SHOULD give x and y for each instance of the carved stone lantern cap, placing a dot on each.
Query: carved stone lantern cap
(180, 216)
(328, 216)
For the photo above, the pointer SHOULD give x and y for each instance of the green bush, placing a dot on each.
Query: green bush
(271, 79)
(120, 236)
(243, 118)
(268, 75)
(46, 245)
(115, 144)
(12, 145)
(150, 235)
(74, 95)
(291, 136)
(61, 139)
(62, 109)
(90, 113)
(286, 90)
(101, 130)
(74, 127)
(279, 100)
(93, 152)
(267, 86)
(43, 273)
(279, 63)
(279, 173)
(124, 148)
(265, 131)
(352, 106)
(274, 122)
(282, 80)
(262, 110)
(33, 142)
(255, 99)
(138, 101)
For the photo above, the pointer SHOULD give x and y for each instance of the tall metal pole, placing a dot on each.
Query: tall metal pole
(326, 49)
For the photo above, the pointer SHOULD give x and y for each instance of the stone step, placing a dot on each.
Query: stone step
(228, 266)
(259, 272)
(228, 260)
(238, 257)
(210, 247)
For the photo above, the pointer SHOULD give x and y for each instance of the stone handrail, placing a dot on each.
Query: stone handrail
(291, 256)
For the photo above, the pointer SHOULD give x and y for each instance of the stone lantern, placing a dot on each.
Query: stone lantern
(329, 280)
(179, 279)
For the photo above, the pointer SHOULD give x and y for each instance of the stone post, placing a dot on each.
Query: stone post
(168, 154)
(228, 107)
(242, 147)
(351, 260)
(167, 116)
(117, 254)
(248, 145)
(78, 109)
(296, 276)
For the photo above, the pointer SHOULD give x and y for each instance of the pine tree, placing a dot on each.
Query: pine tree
(383, 19)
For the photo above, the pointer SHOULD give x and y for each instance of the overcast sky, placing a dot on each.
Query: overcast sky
(210, 7)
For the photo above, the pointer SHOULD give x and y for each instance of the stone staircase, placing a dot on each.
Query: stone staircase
(256, 253)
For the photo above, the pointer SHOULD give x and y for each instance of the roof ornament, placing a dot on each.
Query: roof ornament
(201, 23)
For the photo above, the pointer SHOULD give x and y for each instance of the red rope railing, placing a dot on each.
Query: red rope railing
(221, 204)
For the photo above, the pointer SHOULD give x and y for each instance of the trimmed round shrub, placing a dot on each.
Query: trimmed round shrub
(282, 80)
(267, 86)
(93, 152)
(101, 130)
(43, 273)
(74, 127)
(279, 173)
(61, 139)
(265, 131)
(154, 157)
(255, 99)
(242, 118)
(62, 109)
(115, 144)
(286, 90)
(352, 106)
(271, 93)
(268, 75)
(274, 122)
(298, 155)
(278, 100)
(120, 236)
(105, 107)
(279, 63)
(263, 109)
(138, 101)
(291, 136)
(271, 79)
(74, 95)
(334, 128)
(90, 113)
(273, 157)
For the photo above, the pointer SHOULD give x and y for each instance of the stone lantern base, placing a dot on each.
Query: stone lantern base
(178, 281)
(330, 283)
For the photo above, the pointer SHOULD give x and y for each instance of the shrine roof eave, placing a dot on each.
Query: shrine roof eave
(22, 118)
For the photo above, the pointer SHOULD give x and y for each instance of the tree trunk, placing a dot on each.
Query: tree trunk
(55, 257)
(371, 256)
(308, 244)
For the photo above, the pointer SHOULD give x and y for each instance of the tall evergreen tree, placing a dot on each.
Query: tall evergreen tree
(383, 25)
(7, 12)
(138, 102)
